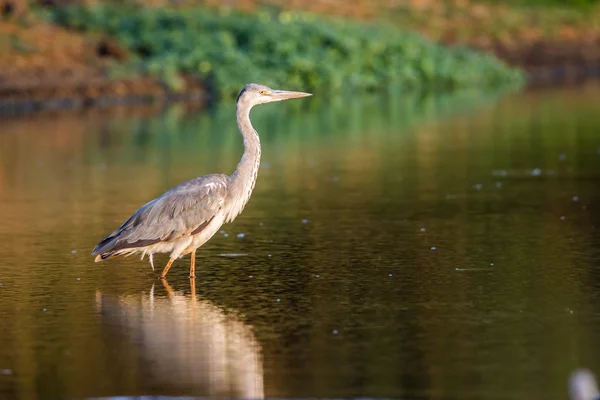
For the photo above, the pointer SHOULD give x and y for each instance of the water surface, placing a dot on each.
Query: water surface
(408, 246)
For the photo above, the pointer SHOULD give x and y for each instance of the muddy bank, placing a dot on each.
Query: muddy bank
(43, 66)
(546, 65)
(66, 93)
(26, 95)
(552, 62)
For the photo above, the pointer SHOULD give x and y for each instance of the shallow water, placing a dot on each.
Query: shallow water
(410, 246)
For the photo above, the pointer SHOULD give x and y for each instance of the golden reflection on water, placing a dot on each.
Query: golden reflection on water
(189, 343)
(381, 182)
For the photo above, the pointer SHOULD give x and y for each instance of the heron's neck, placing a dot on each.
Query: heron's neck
(244, 177)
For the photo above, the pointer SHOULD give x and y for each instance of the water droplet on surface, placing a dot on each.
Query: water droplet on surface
(498, 184)
(491, 264)
(6, 371)
(536, 172)
(562, 156)
(478, 186)
(240, 235)
(222, 232)
(390, 275)
(575, 198)
(423, 229)
(499, 172)
(318, 276)
(269, 255)
(250, 276)
(305, 221)
(434, 248)
(260, 224)
(226, 235)
(44, 310)
(73, 251)
(335, 331)
(562, 218)
(278, 300)
(78, 279)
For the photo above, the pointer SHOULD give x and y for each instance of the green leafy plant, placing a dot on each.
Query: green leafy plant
(293, 50)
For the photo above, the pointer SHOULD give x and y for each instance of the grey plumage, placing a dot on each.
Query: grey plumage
(183, 210)
(185, 217)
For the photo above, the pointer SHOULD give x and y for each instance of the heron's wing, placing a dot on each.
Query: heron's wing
(184, 210)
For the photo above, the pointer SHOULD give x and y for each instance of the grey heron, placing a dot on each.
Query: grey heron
(187, 216)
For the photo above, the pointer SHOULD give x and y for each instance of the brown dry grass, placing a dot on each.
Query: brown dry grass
(41, 62)
(38, 53)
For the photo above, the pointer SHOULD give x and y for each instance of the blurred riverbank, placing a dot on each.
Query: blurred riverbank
(44, 65)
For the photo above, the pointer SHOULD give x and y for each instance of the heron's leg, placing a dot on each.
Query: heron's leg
(164, 273)
(193, 265)
(193, 288)
(152, 261)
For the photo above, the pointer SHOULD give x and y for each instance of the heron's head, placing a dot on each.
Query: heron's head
(253, 94)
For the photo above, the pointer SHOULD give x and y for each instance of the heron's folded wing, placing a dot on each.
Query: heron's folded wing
(186, 209)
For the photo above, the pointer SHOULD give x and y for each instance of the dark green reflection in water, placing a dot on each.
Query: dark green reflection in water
(449, 250)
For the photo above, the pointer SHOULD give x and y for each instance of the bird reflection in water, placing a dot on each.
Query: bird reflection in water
(583, 386)
(189, 343)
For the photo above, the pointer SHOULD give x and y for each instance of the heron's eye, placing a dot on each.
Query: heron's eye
(263, 92)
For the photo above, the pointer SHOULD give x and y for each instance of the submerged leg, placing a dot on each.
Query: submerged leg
(193, 288)
(193, 265)
(164, 273)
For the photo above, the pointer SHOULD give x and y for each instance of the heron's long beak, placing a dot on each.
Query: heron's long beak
(278, 95)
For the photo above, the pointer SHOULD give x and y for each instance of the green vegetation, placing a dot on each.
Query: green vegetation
(299, 51)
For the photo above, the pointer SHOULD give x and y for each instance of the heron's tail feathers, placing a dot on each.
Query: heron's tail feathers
(106, 246)
(114, 253)
(120, 243)
(104, 256)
